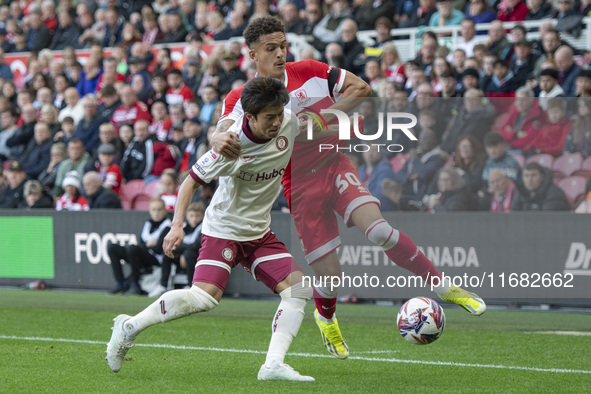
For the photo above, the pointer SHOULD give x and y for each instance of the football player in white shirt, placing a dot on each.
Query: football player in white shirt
(236, 231)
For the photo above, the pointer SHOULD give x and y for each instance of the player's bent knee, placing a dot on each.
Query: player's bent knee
(300, 290)
(180, 303)
(382, 234)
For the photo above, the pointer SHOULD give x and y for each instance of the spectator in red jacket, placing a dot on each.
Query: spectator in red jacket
(553, 133)
(131, 109)
(178, 92)
(525, 119)
(512, 11)
(110, 173)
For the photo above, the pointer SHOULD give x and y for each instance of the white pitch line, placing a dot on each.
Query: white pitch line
(385, 360)
(573, 333)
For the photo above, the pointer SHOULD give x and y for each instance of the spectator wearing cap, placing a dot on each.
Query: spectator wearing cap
(97, 195)
(503, 82)
(72, 199)
(77, 159)
(523, 61)
(552, 135)
(109, 171)
(231, 72)
(35, 196)
(512, 11)
(192, 73)
(87, 129)
(178, 92)
(14, 195)
(137, 66)
(37, 156)
(189, 146)
(131, 109)
(146, 157)
(525, 119)
(567, 69)
(446, 15)
(549, 87)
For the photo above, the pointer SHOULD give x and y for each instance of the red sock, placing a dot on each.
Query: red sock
(325, 306)
(408, 256)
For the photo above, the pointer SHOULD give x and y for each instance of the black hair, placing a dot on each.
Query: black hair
(263, 92)
(534, 166)
(492, 139)
(260, 27)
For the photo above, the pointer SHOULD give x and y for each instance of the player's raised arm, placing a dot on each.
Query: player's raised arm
(175, 236)
(353, 91)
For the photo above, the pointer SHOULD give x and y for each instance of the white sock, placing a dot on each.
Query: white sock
(443, 286)
(287, 322)
(170, 306)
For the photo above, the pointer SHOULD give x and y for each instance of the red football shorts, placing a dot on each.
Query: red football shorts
(316, 197)
(266, 259)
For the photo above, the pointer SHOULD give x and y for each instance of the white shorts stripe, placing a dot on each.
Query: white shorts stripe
(214, 263)
(267, 258)
(356, 203)
(323, 250)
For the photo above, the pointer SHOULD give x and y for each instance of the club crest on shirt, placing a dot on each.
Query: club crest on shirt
(245, 176)
(302, 96)
(227, 254)
(281, 143)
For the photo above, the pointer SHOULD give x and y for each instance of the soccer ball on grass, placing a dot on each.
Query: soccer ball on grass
(421, 320)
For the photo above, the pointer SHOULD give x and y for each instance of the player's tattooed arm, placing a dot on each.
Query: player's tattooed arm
(225, 142)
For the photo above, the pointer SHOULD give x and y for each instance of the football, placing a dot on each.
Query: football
(421, 320)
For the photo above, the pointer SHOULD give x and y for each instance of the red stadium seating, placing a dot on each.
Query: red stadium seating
(566, 165)
(152, 189)
(132, 188)
(141, 202)
(543, 159)
(574, 188)
(585, 168)
(125, 203)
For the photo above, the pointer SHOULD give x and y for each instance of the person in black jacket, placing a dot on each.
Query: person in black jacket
(35, 196)
(141, 257)
(66, 34)
(99, 197)
(13, 196)
(538, 191)
(37, 154)
(453, 194)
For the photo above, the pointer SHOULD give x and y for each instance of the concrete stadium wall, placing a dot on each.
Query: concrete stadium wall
(526, 258)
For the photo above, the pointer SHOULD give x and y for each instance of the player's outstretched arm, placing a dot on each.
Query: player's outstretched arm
(225, 142)
(353, 92)
(175, 235)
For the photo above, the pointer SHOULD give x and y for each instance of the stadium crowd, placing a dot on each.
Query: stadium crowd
(504, 123)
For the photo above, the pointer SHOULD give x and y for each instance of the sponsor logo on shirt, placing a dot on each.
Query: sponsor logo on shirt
(261, 176)
(199, 169)
(245, 176)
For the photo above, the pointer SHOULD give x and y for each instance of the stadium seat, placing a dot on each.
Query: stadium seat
(141, 202)
(585, 168)
(574, 188)
(132, 188)
(520, 159)
(543, 159)
(398, 162)
(566, 165)
(125, 203)
(152, 189)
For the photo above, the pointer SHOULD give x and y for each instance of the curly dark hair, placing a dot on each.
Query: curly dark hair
(262, 92)
(260, 27)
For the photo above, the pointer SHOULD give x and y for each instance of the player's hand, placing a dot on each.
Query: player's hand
(227, 144)
(172, 240)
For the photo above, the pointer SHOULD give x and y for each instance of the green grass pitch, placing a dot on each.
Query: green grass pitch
(53, 341)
